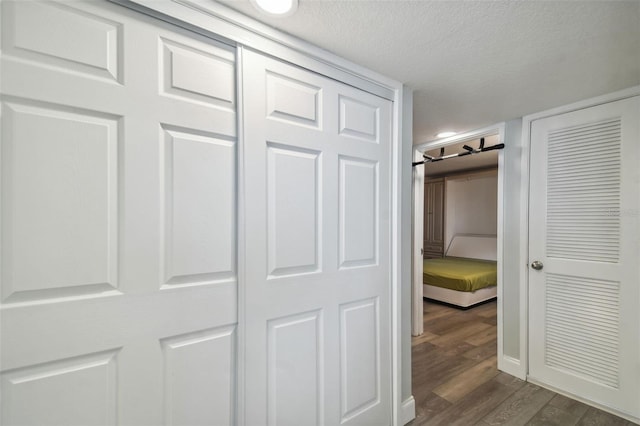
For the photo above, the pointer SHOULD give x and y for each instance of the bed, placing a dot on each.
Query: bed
(467, 275)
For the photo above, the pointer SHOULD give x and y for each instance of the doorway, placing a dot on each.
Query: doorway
(458, 168)
(457, 216)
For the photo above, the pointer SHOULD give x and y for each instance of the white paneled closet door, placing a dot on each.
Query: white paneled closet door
(118, 219)
(585, 230)
(317, 298)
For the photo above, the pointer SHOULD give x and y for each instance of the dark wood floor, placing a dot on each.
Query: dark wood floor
(456, 380)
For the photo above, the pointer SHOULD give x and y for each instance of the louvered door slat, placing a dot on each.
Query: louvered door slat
(597, 355)
(567, 174)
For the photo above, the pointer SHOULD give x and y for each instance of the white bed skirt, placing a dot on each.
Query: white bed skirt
(464, 299)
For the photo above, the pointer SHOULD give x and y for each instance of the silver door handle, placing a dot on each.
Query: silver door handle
(537, 265)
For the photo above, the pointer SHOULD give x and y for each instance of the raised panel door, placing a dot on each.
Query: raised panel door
(316, 335)
(434, 218)
(118, 219)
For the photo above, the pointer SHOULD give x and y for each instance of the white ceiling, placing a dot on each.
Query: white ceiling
(477, 63)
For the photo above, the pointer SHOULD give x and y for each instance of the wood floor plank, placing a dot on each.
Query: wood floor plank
(427, 357)
(434, 374)
(474, 405)
(509, 380)
(438, 315)
(482, 337)
(520, 407)
(486, 310)
(451, 367)
(461, 334)
(448, 323)
(479, 353)
(491, 321)
(570, 405)
(456, 349)
(553, 416)
(460, 385)
(427, 406)
(430, 307)
(424, 337)
(595, 417)
(434, 311)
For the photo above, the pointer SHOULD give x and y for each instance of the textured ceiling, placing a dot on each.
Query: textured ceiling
(476, 63)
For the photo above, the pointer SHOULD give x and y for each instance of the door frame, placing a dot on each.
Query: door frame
(417, 326)
(224, 24)
(524, 219)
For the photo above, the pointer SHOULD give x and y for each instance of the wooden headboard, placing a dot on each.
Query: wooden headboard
(473, 246)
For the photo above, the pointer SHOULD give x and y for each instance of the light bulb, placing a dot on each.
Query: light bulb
(445, 134)
(276, 7)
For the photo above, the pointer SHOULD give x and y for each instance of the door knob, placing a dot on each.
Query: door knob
(537, 265)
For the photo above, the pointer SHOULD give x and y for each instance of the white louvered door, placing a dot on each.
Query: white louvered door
(585, 228)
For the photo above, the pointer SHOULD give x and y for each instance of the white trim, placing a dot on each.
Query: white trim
(598, 100)
(241, 246)
(511, 366)
(404, 250)
(408, 411)
(602, 407)
(400, 239)
(524, 248)
(418, 289)
(500, 248)
(417, 325)
(221, 22)
(396, 259)
(508, 364)
(500, 244)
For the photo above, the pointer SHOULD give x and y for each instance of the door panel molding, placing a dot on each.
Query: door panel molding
(319, 282)
(117, 218)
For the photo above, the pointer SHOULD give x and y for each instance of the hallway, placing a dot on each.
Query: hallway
(456, 381)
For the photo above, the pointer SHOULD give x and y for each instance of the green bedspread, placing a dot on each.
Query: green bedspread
(460, 274)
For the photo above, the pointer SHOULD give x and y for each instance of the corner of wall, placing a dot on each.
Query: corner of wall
(408, 410)
(406, 249)
(513, 319)
(512, 366)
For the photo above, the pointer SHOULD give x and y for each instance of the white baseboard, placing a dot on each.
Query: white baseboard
(512, 366)
(407, 410)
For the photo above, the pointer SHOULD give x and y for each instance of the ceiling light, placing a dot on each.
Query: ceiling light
(276, 7)
(445, 134)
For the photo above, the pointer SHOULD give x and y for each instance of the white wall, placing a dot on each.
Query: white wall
(511, 307)
(512, 262)
(472, 208)
(471, 202)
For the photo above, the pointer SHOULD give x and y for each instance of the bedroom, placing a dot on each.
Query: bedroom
(460, 221)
